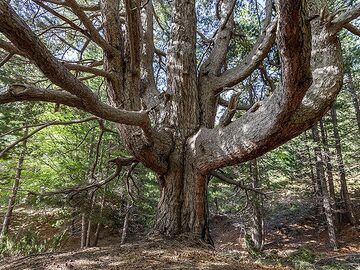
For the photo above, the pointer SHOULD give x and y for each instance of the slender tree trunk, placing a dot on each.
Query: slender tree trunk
(12, 198)
(355, 98)
(217, 210)
(343, 185)
(329, 172)
(257, 218)
(325, 194)
(83, 230)
(327, 158)
(88, 231)
(126, 223)
(73, 225)
(310, 165)
(98, 226)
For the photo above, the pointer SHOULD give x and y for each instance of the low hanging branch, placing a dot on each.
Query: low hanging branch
(120, 162)
(225, 178)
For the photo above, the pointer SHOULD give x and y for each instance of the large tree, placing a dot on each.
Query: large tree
(173, 132)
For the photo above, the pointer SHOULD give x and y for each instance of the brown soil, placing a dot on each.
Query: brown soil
(146, 254)
(158, 253)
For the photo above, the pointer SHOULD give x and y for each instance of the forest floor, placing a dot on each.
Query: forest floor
(289, 246)
(296, 238)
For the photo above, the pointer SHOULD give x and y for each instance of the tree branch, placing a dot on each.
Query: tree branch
(350, 14)
(236, 74)
(239, 106)
(353, 29)
(7, 46)
(25, 40)
(94, 34)
(291, 109)
(20, 92)
(61, 17)
(227, 179)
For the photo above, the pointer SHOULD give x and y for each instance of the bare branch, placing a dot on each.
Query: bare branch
(6, 59)
(230, 110)
(262, 47)
(353, 29)
(88, 69)
(239, 106)
(228, 180)
(94, 34)
(7, 46)
(20, 92)
(61, 17)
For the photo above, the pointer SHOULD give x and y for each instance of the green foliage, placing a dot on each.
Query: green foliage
(30, 243)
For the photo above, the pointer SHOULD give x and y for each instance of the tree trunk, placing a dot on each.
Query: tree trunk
(257, 218)
(98, 226)
(89, 223)
(329, 172)
(183, 205)
(325, 194)
(126, 223)
(343, 185)
(83, 230)
(310, 164)
(355, 98)
(12, 199)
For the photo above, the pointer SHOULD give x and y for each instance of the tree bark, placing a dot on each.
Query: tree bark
(343, 185)
(12, 198)
(126, 223)
(89, 223)
(183, 204)
(98, 226)
(325, 193)
(83, 231)
(327, 157)
(257, 217)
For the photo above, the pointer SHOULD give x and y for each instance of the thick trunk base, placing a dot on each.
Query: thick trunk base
(182, 206)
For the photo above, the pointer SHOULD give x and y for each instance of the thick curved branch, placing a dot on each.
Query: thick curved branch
(20, 92)
(260, 50)
(287, 113)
